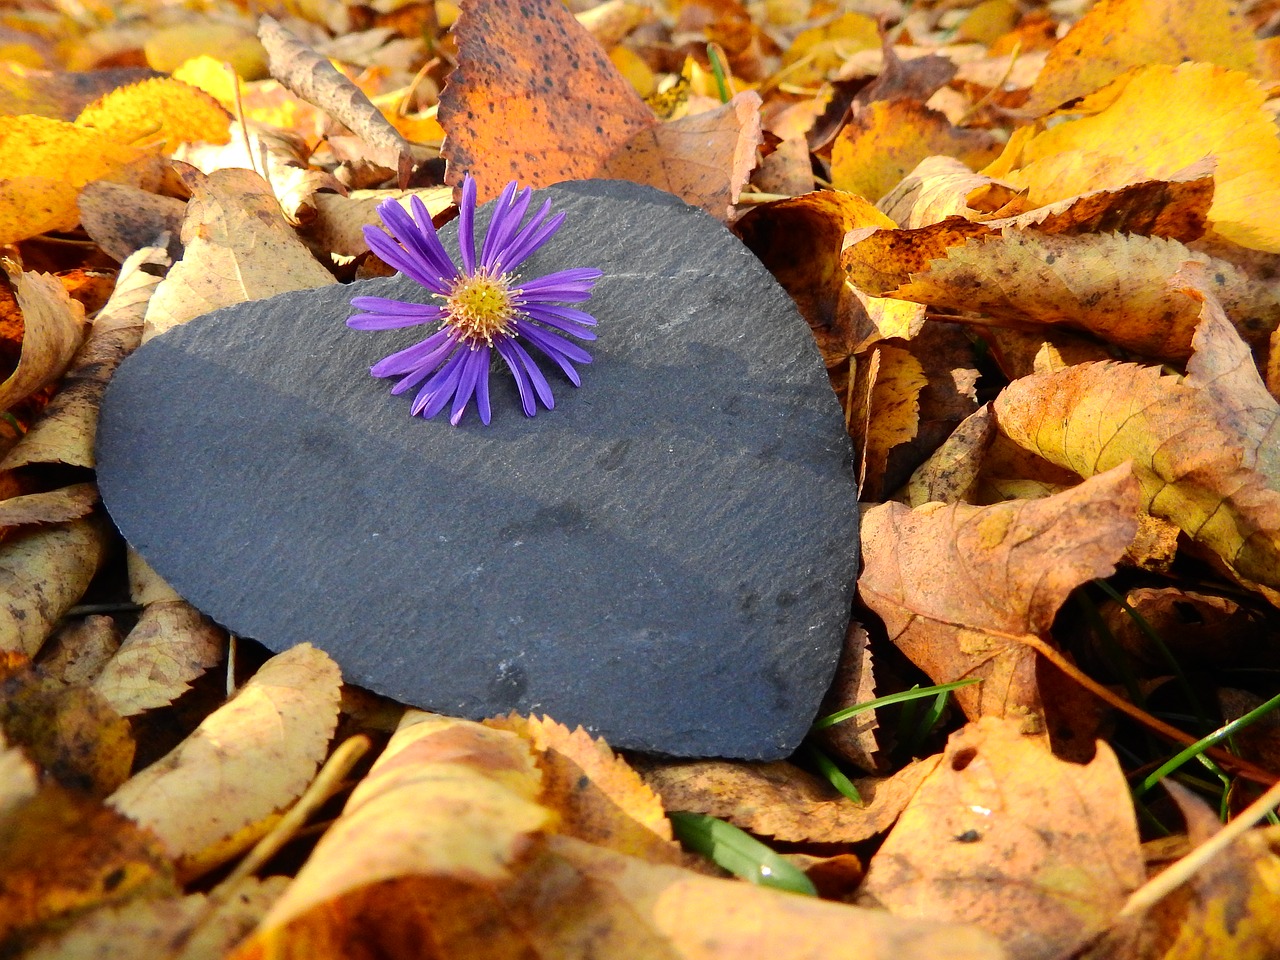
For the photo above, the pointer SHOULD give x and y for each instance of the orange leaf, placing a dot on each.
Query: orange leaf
(162, 110)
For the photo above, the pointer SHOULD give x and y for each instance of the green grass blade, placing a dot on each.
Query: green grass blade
(916, 693)
(739, 853)
(834, 775)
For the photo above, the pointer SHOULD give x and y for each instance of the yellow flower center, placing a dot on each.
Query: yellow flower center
(480, 307)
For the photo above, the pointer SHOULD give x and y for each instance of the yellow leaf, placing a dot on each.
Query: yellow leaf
(53, 328)
(43, 165)
(162, 110)
(1115, 36)
(887, 139)
(817, 52)
(249, 758)
(1153, 124)
(168, 48)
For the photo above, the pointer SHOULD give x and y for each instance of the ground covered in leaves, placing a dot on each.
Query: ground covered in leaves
(1039, 249)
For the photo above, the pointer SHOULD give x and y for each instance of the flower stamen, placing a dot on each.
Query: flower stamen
(480, 307)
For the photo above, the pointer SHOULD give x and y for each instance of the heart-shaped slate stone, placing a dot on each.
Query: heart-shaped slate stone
(666, 558)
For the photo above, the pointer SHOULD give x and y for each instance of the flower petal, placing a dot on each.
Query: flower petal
(467, 225)
(482, 387)
(517, 371)
(506, 219)
(535, 375)
(412, 358)
(553, 350)
(466, 385)
(401, 259)
(563, 286)
(391, 314)
(549, 316)
(432, 397)
(418, 241)
(533, 236)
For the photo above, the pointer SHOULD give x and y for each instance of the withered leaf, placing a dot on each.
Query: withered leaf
(50, 506)
(954, 584)
(53, 329)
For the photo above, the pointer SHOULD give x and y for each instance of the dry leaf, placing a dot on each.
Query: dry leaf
(885, 141)
(160, 111)
(65, 431)
(171, 645)
(248, 759)
(1153, 124)
(79, 650)
(51, 506)
(42, 573)
(1115, 36)
(340, 221)
(62, 852)
(45, 163)
(1204, 449)
(123, 219)
(887, 412)
(1006, 836)
(59, 94)
(781, 801)
(853, 739)
(954, 583)
(53, 329)
(194, 927)
(238, 247)
(596, 795)
(704, 159)
(315, 80)
(941, 187)
(950, 475)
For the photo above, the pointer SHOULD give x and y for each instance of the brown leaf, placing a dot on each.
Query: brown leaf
(533, 98)
(79, 650)
(65, 431)
(122, 219)
(1004, 835)
(887, 412)
(953, 584)
(782, 801)
(704, 159)
(70, 732)
(597, 796)
(238, 247)
(339, 223)
(950, 475)
(853, 739)
(315, 80)
(54, 327)
(248, 759)
(59, 94)
(62, 852)
(941, 187)
(43, 572)
(1205, 450)
(51, 506)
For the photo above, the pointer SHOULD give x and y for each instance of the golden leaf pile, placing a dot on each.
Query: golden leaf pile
(1039, 251)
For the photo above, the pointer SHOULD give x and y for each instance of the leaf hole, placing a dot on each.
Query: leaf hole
(963, 758)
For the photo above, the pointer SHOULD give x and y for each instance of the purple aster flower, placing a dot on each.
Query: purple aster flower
(483, 308)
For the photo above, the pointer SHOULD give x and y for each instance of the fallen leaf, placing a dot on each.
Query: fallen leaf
(597, 796)
(887, 413)
(941, 187)
(79, 650)
(853, 739)
(42, 573)
(1114, 286)
(45, 163)
(950, 475)
(885, 140)
(53, 326)
(1120, 138)
(1204, 449)
(70, 732)
(1005, 836)
(171, 645)
(168, 48)
(1115, 36)
(955, 584)
(533, 98)
(1197, 628)
(248, 759)
(51, 506)
(782, 801)
(199, 926)
(340, 221)
(315, 80)
(59, 94)
(62, 852)
(238, 247)
(65, 431)
(123, 219)
(160, 111)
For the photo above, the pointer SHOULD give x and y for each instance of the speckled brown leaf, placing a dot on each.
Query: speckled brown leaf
(533, 98)
(705, 159)
(50, 506)
(64, 433)
(53, 329)
(62, 852)
(598, 797)
(853, 739)
(886, 412)
(314, 79)
(1205, 449)
(952, 583)
(81, 647)
(238, 247)
(782, 801)
(248, 759)
(950, 475)
(43, 572)
(339, 223)
(168, 648)
(1114, 286)
(122, 219)
(1004, 835)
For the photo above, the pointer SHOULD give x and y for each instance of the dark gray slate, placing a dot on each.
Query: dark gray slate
(667, 557)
